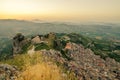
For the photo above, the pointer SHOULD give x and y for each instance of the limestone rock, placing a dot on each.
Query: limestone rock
(85, 64)
(8, 72)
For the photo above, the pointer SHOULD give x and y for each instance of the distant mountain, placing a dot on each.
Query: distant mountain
(9, 27)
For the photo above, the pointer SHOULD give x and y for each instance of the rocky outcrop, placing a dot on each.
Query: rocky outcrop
(18, 42)
(31, 51)
(36, 40)
(85, 64)
(8, 72)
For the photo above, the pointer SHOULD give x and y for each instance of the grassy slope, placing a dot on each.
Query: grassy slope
(36, 67)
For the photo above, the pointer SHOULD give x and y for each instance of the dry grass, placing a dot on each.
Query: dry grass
(35, 67)
(41, 71)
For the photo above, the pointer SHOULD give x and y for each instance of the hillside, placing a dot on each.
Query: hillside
(75, 56)
(9, 27)
(95, 31)
(104, 48)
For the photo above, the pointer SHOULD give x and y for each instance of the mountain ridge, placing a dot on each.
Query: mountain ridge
(69, 52)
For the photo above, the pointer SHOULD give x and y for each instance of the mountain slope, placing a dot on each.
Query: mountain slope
(80, 63)
(73, 54)
(9, 27)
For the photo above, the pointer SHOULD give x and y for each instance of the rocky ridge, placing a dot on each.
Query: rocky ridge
(74, 57)
(85, 64)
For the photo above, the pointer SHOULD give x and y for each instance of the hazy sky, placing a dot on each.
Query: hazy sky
(61, 10)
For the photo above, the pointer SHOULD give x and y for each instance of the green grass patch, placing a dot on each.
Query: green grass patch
(41, 46)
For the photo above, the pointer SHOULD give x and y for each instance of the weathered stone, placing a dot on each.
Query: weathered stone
(85, 64)
(18, 42)
(8, 72)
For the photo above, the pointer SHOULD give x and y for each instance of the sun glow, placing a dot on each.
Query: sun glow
(18, 7)
(74, 10)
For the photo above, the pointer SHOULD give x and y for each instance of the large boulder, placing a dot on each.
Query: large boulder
(36, 40)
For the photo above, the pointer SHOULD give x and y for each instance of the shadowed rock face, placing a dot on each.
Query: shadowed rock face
(18, 42)
(19, 37)
(8, 72)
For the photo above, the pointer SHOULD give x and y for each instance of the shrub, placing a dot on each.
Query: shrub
(41, 46)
